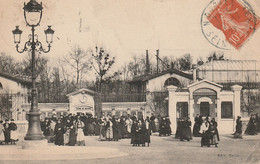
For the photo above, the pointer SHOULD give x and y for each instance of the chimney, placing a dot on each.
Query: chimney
(194, 67)
(147, 63)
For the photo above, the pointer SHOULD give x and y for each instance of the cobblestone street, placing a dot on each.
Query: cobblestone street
(161, 150)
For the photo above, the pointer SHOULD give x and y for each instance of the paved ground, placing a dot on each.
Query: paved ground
(163, 150)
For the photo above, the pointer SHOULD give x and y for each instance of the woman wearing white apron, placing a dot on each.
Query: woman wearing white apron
(80, 133)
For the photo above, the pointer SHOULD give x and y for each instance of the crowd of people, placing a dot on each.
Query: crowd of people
(8, 132)
(203, 127)
(71, 129)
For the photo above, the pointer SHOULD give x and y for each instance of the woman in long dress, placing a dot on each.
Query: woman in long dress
(80, 133)
(128, 124)
(73, 135)
(186, 130)
(204, 133)
(68, 124)
(251, 128)
(2, 137)
(58, 132)
(109, 134)
(238, 132)
(196, 127)
(103, 129)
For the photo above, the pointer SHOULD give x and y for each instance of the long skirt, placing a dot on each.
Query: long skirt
(103, 132)
(59, 139)
(14, 135)
(214, 140)
(97, 129)
(157, 127)
(67, 137)
(153, 127)
(186, 133)
(7, 135)
(2, 137)
(147, 137)
(109, 134)
(80, 135)
(72, 138)
(196, 130)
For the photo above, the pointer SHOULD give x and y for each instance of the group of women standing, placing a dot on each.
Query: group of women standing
(140, 132)
(67, 131)
(183, 131)
(113, 129)
(8, 132)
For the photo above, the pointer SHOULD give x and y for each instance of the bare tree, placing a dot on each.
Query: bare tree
(78, 60)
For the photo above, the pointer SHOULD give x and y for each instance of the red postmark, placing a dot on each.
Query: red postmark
(235, 20)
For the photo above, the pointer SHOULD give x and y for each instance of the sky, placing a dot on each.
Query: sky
(123, 27)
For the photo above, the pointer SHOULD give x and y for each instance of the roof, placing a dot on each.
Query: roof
(203, 81)
(231, 65)
(25, 81)
(152, 76)
(82, 90)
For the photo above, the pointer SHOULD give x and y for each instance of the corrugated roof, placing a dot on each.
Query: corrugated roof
(235, 65)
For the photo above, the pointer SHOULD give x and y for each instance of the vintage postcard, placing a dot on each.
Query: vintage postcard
(129, 81)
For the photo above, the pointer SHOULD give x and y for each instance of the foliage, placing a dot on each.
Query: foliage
(102, 64)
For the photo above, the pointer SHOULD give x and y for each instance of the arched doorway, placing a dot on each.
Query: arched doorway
(172, 81)
(204, 102)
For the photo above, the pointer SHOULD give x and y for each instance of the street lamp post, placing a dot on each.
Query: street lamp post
(33, 15)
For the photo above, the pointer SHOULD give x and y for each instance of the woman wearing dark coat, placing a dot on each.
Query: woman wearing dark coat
(58, 132)
(186, 130)
(46, 128)
(251, 128)
(134, 128)
(238, 132)
(141, 133)
(72, 135)
(179, 128)
(196, 127)
(163, 127)
(115, 127)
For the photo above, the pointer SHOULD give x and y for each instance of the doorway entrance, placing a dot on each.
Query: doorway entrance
(204, 109)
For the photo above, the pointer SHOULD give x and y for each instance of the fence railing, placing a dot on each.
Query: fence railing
(123, 98)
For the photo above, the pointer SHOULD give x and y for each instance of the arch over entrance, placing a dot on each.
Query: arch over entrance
(172, 81)
(204, 102)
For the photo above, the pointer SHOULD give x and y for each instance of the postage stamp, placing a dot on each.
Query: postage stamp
(229, 23)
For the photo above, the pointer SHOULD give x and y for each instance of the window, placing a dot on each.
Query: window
(182, 109)
(226, 109)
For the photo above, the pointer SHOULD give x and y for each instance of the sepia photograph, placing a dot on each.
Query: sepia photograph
(129, 81)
